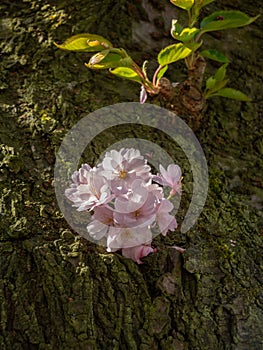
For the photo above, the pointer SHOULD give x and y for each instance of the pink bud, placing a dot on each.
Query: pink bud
(143, 95)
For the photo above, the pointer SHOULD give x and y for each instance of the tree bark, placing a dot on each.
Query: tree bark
(59, 291)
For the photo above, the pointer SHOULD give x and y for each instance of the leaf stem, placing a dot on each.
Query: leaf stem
(190, 61)
(138, 70)
(156, 74)
(199, 36)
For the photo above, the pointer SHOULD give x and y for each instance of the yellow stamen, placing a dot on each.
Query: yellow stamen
(137, 213)
(122, 174)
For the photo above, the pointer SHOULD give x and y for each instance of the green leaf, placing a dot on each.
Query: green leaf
(183, 4)
(126, 73)
(225, 19)
(198, 5)
(214, 86)
(232, 93)
(221, 73)
(85, 43)
(216, 82)
(193, 46)
(173, 53)
(220, 84)
(206, 2)
(210, 83)
(110, 60)
(214, 55)
(185, 34)
(162, 72)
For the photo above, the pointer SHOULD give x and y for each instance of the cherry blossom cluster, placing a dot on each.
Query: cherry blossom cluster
(127, 201)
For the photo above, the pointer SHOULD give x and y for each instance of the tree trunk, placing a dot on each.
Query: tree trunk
(59, 291)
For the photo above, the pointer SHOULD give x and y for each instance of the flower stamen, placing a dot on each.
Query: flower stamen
(122, 174)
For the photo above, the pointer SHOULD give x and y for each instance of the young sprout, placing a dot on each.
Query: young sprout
(187, 47)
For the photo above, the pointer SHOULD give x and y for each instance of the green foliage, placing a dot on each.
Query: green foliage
(173, 53)
(217, 82)
(221, 73)
(183, 34)
(183, 4)
(214, 55)
(225, 20)
(127, 73)
(162, 72)
(215, 86)
(121, 64)
(192, 45)
(85, 43)
(232, 93)
(107, 59)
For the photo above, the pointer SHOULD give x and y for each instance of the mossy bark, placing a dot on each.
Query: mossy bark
(58, 291)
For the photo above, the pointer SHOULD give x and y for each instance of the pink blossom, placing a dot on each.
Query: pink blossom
(80, 176)
(126, 204)
(101, 221)
(164, 220)
(134, 199)
(104, 214)
(97, 230)
(125, 237)
(170, 177)
(138, 207)
(88, 190)
(142, 216)
(156, 190)
(123, 167)
(136, 253)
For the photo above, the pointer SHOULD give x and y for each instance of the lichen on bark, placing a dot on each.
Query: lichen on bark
(58, 291)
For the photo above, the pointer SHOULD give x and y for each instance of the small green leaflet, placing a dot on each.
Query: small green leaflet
(126, 73)
(225, 19)
(216, 82)
(183, 4)
(221, 72)
(214, 55)
(210, 83)
(85, 43)
(172, 54)
(232, 93)
(161, 72)
(213, 86)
